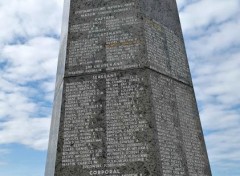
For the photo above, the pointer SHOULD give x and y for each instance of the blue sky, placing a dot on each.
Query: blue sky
(29, 44)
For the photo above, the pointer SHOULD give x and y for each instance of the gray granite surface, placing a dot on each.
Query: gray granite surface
(124, 101)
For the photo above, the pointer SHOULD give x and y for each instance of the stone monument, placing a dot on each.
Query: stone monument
(124, 100)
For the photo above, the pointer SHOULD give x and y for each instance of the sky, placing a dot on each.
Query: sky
(29, 46)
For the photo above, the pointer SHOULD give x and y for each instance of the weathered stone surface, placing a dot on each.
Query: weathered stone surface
(124, 102)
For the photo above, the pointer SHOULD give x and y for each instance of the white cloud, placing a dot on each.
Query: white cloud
(32, 132)
(182, 4)
(207, 12)
(223, 147)
(23, 122)
(218, 80)
(28, 69)
(28, 58)
(32, 61)
(225, 37)
(29, 18)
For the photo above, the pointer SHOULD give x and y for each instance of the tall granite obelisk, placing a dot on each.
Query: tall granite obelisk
(124, 101)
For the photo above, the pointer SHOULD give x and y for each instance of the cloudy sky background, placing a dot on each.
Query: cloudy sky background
(29, 44)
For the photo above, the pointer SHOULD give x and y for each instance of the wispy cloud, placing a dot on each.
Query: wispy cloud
(197, 17)
(21, 19)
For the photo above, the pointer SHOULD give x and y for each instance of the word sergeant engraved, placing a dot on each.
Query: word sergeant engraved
(106, 123)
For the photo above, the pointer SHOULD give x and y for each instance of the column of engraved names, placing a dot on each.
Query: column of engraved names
(123, 121)
(178, 57)
(80, 134)
(188, 119)
(167, 128)
(157, 47)
(104, 42)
